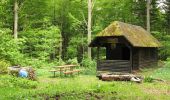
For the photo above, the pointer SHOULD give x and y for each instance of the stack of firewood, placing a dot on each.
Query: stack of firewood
(31, 74)
(15, 70)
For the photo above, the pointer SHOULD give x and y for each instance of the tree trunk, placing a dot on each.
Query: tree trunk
(89, 25)
(148, 15)
(125, 77)
(15, 30)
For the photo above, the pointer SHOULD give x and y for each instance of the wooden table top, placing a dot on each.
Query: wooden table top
(66, 66)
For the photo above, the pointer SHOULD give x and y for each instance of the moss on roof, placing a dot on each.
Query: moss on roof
(136, 35)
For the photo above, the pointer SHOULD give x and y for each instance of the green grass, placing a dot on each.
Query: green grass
(163, 72)
(86, 87)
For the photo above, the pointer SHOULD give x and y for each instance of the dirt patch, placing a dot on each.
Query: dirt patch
(155, 91)
(85, 96)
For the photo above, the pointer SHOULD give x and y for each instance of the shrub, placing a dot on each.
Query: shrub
(10, 48)
(168, 59)
(9, 81)
(73, 61)
(148, 79)
(3, 66)
(59, 62)
(89, 65)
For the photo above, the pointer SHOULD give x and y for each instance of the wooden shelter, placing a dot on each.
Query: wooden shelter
(128, 47)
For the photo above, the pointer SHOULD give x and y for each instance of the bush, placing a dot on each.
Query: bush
(59, 62)
(164, 52)
(89, 65)
(9, 81)
(148, 79)
(10, 48)
(72, 61)
(3, 66)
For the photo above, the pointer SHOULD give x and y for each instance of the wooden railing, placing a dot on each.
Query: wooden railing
(114, 65)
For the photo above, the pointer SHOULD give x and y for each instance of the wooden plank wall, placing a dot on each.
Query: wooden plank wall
(135, 59)
(148, 57)
(114, 66)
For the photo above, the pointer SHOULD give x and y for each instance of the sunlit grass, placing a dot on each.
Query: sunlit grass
(89, 87)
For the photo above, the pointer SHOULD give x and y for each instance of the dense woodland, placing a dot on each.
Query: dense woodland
(38, 36)
(55, 31)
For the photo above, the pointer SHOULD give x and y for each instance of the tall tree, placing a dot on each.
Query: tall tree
(167, 16)
(89, 25)
(156, 17)
(148, 15)
(139, 10)
(15, 30)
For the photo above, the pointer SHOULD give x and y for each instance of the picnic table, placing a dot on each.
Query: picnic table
(65, 69)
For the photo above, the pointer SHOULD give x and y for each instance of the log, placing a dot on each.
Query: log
(113, 77)
(14, 70)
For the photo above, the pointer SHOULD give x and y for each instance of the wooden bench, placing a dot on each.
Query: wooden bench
(65, 69)
(71, 72)
(59, 70)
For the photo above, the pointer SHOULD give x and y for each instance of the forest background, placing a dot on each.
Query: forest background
(54, 32)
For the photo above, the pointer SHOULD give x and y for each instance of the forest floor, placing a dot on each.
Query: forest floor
(88, 87)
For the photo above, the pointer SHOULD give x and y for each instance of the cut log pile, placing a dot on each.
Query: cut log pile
(120, 77)
(31, 74)
(14, 70)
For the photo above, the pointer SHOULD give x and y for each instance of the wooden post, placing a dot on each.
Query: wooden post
(131, 59)
(98, 48)
(98, 52)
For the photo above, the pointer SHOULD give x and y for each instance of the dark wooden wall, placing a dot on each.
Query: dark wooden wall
(114, 65)
(148, 57)
(135, 58)
(119, 52)
(144, 57)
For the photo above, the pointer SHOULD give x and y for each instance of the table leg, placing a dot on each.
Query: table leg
(54, 74)
(60, 72)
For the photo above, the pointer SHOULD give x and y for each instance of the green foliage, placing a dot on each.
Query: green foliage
(10, 49)
(167, 16)
(148, 79)
(38, 20)
(59, 62)
(89, 65)
(76, 48)
(164, 51)
(42, 44)
(4, 66)
(8, 81)
(34, 14)
(73, 61)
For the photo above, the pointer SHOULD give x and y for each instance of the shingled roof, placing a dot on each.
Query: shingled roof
(136, 35)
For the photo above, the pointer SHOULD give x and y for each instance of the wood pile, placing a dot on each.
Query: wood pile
(14, 70)
(31, 74)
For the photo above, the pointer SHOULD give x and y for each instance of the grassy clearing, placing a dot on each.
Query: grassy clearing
(85, 87)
